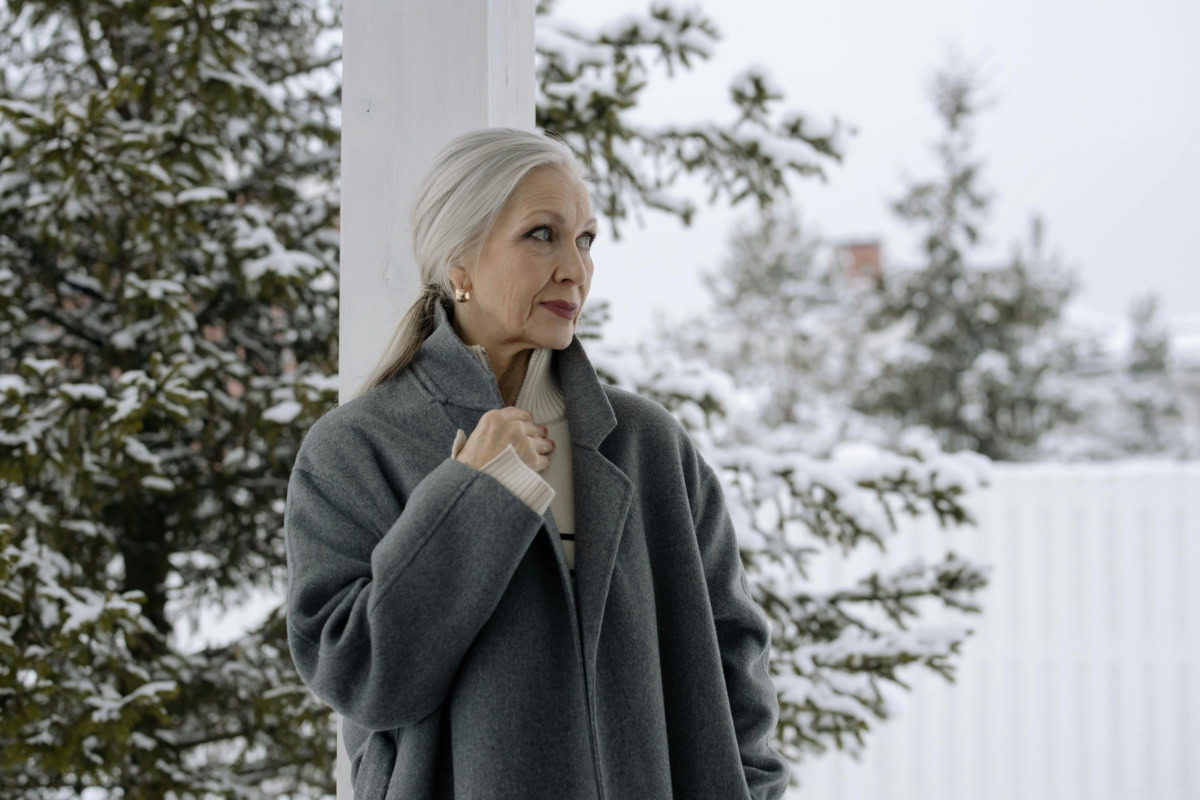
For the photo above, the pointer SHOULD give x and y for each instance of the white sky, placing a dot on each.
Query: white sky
(1096, 125)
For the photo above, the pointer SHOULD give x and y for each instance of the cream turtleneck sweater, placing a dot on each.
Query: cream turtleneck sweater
(542, 396)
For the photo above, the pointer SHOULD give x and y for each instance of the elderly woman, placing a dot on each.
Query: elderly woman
(553, 605)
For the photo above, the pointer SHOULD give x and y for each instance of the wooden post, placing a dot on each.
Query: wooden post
(415, 74)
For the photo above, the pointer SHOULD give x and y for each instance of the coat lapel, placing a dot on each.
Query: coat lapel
(466, 388)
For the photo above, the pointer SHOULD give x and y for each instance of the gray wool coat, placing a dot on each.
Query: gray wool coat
(433, 609)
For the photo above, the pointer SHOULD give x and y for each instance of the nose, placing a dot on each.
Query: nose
(573, 267)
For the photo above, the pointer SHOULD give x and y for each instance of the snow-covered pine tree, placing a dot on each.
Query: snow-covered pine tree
(168, 307)
(586, 78)
(982, 365)
(167, 322)
(1150, 391)
(786, 317)
(1130, 399)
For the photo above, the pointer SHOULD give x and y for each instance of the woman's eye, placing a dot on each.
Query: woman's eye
(591, 236)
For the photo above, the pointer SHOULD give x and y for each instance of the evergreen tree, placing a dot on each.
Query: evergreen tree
(787, 318)
(167, 323)
(1150, 348)
(587, 78)
(168, 308)
(981, 363)
(1131, 403)
(1151, 391)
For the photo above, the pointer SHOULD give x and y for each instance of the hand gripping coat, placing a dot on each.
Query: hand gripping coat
(433, 609)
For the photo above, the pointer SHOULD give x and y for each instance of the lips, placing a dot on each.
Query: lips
(562, 304)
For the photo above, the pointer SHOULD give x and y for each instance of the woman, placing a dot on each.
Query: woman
(552, 606)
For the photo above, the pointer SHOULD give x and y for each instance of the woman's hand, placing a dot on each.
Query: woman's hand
(499, 428)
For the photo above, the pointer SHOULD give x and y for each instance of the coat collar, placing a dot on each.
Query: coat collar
(460, 379)
(465, 387)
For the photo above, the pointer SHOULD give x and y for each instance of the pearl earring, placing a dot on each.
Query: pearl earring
(461, 296)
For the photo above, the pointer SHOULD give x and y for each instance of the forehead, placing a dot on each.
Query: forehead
(546, 190)
(549, 212)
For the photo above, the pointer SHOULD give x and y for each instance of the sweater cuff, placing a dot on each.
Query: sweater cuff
(514, 474)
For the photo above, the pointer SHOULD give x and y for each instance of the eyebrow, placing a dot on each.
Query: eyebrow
(557, 215)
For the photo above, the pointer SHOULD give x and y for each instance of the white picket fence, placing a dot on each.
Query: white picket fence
(1082, 681)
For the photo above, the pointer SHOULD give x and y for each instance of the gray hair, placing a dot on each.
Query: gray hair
(456, 206)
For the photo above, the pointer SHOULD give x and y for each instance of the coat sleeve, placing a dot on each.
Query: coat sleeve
(744, 633)
(517, 476)
(384, 597)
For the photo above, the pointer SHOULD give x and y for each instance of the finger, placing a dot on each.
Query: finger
(534, 430)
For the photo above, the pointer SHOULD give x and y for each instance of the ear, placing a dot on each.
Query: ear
(461, 278)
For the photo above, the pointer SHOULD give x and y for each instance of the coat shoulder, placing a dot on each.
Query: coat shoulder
(362, 425)
(642, 415)
(648, 427)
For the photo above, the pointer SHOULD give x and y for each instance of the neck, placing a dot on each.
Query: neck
(511, 375)
(509, 364)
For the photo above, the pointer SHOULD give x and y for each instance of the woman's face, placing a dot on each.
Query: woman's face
(538, 250)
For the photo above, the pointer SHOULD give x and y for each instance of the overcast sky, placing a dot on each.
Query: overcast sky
(1096, 126)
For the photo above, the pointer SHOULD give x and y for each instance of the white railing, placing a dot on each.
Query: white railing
(1082, 681)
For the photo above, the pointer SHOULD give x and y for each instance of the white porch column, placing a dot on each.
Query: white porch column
(415, 74)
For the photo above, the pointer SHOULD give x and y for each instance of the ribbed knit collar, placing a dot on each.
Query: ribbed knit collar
(540, 394)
